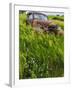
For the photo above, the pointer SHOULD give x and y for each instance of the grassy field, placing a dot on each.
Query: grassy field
(41, 55)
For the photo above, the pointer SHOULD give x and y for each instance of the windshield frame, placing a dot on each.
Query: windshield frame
(40, 16)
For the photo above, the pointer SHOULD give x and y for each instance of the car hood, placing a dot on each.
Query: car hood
(42, 22)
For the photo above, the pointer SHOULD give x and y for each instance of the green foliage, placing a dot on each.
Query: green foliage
(59, 23)
(41, 55)
(59, 20)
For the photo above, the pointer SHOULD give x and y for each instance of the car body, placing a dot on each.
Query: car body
(40, 21)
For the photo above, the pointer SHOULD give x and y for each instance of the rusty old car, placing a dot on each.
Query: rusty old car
(40, 22)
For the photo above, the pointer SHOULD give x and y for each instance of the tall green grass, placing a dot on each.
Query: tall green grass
(41, 55)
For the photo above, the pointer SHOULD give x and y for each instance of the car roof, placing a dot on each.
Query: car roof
(35, 12)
